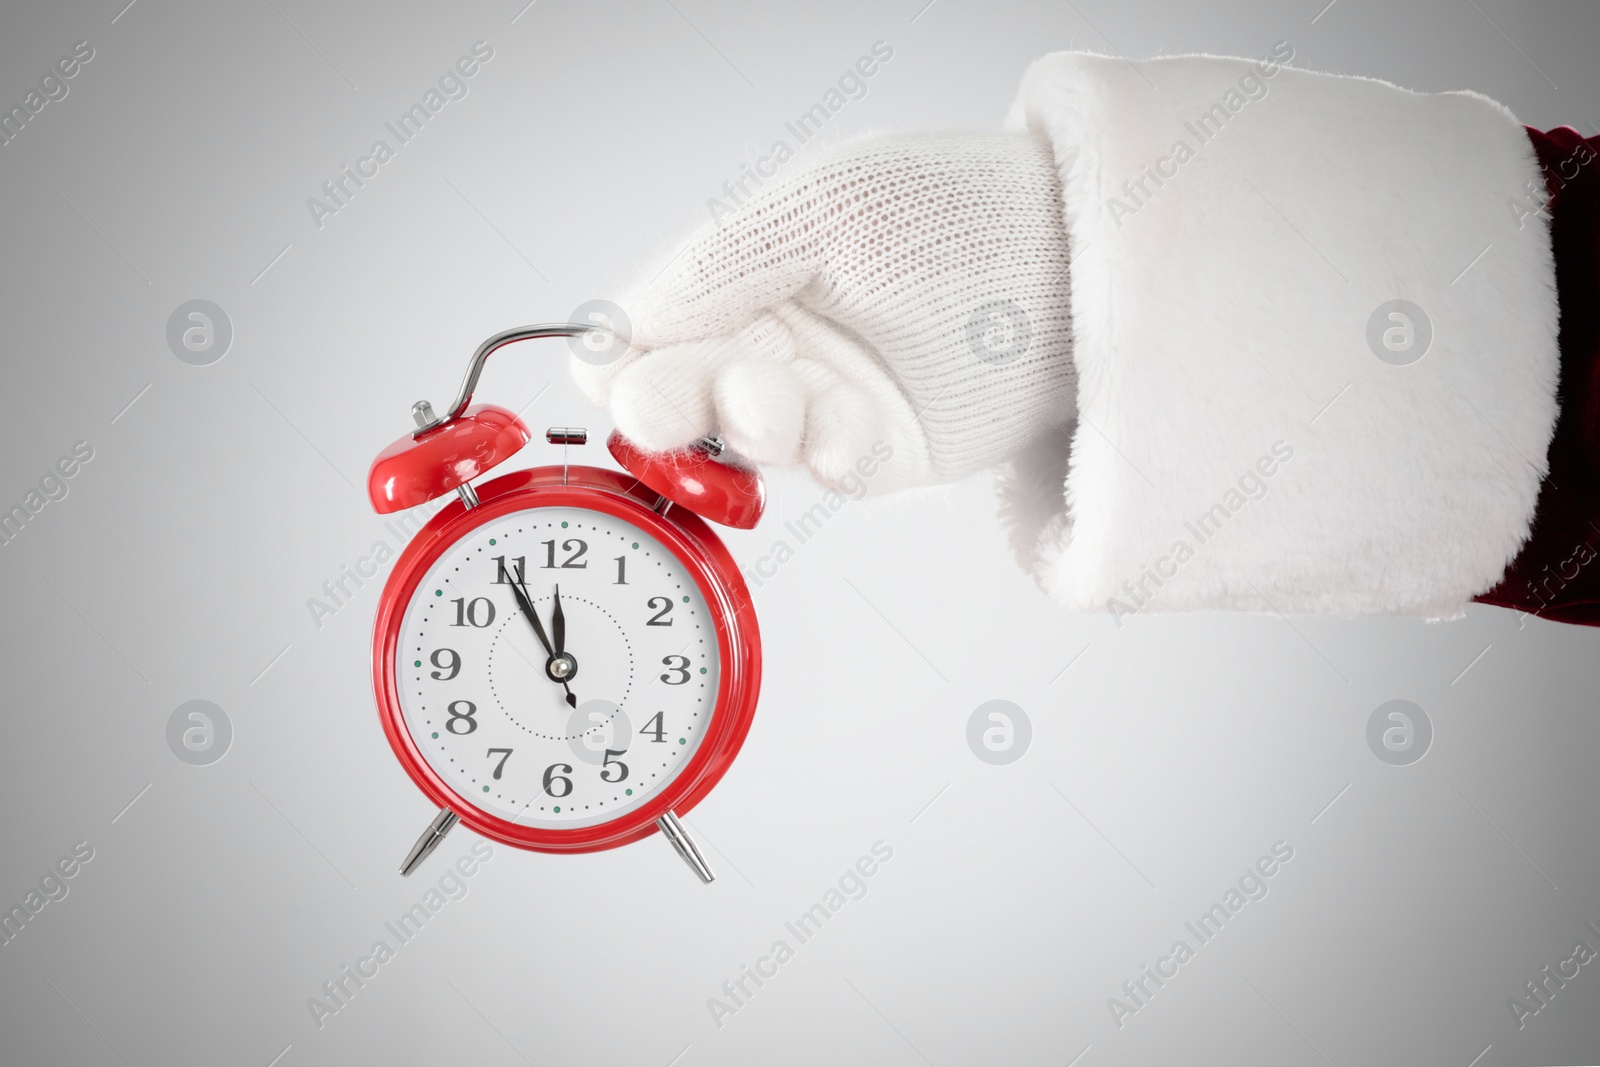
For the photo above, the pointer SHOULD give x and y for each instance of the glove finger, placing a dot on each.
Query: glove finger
(761, 404)
(738, 385)
(856, 415)
(850, 442)
(839, 433)
(596, 375)
(664, 400)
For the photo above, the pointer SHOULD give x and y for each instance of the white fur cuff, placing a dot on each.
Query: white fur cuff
(1255, 428)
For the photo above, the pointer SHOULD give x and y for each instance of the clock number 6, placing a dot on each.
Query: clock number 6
(551, 778)
(681, 668)
(498, 767)
(622, 768)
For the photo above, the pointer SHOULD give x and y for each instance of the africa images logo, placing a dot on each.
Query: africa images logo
(1253, 885)
(851, 885)
(452, 85)
(53, 88)
(1206, 127)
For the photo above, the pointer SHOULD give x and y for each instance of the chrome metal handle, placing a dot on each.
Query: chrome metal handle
(469, 384)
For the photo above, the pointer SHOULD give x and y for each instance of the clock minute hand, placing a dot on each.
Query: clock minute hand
(526, 605)
(520, 591)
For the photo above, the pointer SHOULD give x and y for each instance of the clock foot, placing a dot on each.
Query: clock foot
(442, 824)
(674, 832)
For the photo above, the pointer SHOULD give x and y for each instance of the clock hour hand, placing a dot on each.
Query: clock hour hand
(561, 662)
(559, 666)
(558, 624)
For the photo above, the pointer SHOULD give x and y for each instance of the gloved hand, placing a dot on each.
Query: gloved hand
(909, 290)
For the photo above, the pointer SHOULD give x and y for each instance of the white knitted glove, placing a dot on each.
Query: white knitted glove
(908, 291)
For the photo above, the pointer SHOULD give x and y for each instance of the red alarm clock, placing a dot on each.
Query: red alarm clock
(565, 659)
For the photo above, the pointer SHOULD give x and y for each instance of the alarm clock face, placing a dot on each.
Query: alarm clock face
(475, 683)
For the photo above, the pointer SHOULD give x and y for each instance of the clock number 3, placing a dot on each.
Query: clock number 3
(676, 665)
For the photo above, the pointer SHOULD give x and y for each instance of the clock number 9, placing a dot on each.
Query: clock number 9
(551, 778)
(462, 717)
(680, 667)
(446, 659)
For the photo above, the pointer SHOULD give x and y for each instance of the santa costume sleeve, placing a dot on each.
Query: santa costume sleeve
(1551, 576)
(1315, 321)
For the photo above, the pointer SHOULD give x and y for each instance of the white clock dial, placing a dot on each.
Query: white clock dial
(474, 676)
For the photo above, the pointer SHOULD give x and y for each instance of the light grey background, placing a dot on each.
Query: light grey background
(1166, 756)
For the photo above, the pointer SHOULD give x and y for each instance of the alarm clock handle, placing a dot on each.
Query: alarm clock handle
(422, 411)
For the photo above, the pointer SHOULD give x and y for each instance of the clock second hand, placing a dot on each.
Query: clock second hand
(521, 593)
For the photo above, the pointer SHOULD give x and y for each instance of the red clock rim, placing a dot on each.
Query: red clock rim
(690, 541)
